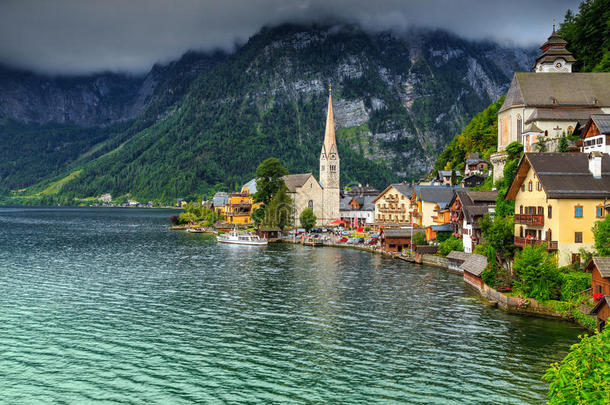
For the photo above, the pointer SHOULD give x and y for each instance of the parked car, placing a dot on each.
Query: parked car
(342, 240)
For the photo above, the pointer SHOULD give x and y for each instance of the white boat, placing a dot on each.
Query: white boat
(241, 238)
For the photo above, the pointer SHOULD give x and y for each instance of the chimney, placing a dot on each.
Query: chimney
(595, 164)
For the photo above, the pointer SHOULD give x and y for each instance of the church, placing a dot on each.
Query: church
(322, 197)
(549, 103)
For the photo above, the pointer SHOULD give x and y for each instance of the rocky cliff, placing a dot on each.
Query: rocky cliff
(399, 99)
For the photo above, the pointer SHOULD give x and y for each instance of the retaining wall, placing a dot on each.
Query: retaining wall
(433, 260)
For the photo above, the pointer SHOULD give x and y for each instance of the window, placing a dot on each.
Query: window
(521, 209)
(549, 235)
(323, 167)
(538, 186)
(599, 211)
(575, 258)
(540, 211)
(578, 211)
(310, 204)
(577, 237)
(522, 187)
(520, 231)
(529, 186)
(550, 212)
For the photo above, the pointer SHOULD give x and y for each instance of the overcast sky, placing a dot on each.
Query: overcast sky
(83, 36)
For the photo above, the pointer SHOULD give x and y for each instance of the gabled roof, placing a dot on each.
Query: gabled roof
(602, 122)
(436, 194)
(563, 175)
(365, 202)
(600, 304)
(220, 199)
(555, 90)
(470, 161)
(403, 188)
(602, 264)
(294, 181)
(475, 264)
(251, 185)
(457, 255)
(482, 196)
(561, 114)
(401, 233)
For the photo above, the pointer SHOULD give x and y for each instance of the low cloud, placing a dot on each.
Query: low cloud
(84, 36)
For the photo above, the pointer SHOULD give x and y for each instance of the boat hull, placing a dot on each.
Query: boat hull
(237, 242)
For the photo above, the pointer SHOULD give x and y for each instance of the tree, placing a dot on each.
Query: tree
(419, 239)
(258, 216)
(308, 219)
(583, 376)
(498, 233)
(268, 179)
(601, 234)
(563, 144)
(536, 273)
(279, 213)
(450, 244)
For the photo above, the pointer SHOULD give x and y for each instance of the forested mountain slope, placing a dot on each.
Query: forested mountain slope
(398, 102)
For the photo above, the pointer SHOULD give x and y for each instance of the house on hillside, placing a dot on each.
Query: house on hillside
(558, 197)
(475, 165)
(595, 135)
(599, 267)
(552, 98)
(466, 209)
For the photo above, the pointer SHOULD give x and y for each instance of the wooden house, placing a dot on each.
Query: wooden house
(456, 259)
(395, 240)
(599, 267)
(602, 312)
(473, 267)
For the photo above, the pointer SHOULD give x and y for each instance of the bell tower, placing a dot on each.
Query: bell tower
(555, 57)
(329, 166)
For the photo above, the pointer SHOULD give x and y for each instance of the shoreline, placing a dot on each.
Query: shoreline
(486, 295)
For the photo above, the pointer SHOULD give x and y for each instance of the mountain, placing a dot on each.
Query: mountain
(206, 121)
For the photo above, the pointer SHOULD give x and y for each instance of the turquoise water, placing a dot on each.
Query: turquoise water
(109, 305)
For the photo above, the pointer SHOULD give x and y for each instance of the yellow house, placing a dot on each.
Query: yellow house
(239, 209)
(558, 197)
(426, 201)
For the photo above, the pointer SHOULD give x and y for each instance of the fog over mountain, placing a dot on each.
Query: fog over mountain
(85, 36)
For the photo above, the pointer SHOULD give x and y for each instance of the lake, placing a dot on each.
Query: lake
(109, 305)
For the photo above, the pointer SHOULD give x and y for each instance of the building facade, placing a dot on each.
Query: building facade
(558, 198)
(393, 205)
(545, 105)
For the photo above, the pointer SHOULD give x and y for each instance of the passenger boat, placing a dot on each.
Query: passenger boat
(241, 238)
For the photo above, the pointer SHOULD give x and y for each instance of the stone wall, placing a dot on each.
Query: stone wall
(433, 260)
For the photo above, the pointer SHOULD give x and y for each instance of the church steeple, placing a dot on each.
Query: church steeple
(329, 156)
(330, 143)
(555, 57)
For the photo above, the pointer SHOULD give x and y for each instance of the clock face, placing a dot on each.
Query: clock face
(558, 65)
(323, 156)
(333, 156)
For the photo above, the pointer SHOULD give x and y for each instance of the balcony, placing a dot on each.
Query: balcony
(392, 210)
(521, 242)
(529, 219)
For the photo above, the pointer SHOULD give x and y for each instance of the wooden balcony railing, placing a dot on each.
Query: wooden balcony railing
(521, 242)
(529, 219)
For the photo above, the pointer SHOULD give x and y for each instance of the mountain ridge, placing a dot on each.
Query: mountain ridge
(398, 102)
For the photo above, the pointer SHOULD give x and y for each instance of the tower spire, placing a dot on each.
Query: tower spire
(330, 143)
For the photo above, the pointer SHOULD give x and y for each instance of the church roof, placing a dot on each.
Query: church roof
(562, 114)
(294, 181)
(330, 142)
(558, 90)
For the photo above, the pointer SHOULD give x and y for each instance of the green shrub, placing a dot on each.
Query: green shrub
(537, 275)
(442, 236)
(583, 376)
(453, 243)
(490, 274)
(572, 283)
(420, 239)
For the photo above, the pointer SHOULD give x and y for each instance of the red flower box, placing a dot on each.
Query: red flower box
(597, 296)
